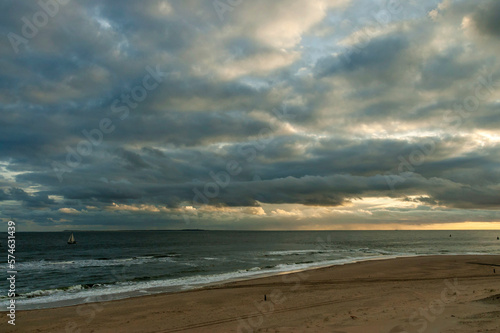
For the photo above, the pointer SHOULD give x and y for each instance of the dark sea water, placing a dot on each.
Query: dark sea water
(132, 263)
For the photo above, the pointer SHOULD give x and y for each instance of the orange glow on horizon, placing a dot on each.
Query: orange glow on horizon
(399, 226)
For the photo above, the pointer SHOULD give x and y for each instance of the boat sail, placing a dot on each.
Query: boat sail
(71, 239)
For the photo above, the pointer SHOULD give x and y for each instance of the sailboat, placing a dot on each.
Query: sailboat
(71, 239)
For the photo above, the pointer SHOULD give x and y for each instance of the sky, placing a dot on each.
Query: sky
(239, 114)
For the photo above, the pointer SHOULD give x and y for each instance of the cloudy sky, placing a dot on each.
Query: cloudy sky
(250, 114)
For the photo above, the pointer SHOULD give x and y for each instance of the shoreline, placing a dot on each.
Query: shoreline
(138, 293)
(240, 299)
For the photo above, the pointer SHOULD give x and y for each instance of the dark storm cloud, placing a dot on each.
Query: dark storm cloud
(133, 161)
(377, 54)
(487, 18)
(38, 200)
(362, 166)
(3, 195)
(438, 72)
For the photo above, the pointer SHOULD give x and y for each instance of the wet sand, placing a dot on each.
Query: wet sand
(417, 294)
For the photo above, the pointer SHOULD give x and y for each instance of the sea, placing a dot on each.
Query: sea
(106, 265)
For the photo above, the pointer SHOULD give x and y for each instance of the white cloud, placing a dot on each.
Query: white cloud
(67, 210)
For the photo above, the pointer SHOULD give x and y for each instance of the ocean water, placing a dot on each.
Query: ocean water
(113, 265)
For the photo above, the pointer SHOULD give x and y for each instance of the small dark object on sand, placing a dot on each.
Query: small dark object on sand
(265, 298)
(450, 235)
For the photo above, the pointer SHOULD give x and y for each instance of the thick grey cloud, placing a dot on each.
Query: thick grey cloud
(378, 55)
(487, 18)
(39, 200)
(440, 71)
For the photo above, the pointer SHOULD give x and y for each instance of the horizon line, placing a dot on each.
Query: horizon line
(195, 230)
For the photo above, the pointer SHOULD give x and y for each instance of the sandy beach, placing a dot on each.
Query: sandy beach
(417, 294)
